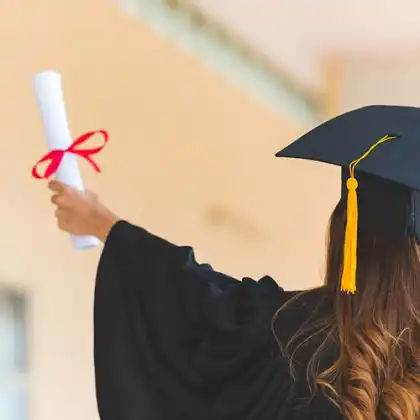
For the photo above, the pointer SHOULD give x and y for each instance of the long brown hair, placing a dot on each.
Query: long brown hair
(376, 374)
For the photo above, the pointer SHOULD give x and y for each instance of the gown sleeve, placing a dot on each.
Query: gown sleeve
(177, 340)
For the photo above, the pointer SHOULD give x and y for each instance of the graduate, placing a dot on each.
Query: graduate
(176, 340)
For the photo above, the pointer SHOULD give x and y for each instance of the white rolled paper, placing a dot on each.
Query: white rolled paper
(50, 99)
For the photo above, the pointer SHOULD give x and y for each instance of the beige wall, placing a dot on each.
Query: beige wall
(183, 142)
(382, 79)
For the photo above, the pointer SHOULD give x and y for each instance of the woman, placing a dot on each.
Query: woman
(175, 339)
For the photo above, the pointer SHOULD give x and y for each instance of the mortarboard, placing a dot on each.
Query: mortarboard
(378, 148)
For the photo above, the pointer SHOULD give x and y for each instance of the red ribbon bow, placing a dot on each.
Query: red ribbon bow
(56, 156)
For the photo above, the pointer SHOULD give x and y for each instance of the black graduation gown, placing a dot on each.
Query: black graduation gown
(176, 340)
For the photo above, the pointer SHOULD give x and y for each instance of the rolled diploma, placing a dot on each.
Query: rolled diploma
(49, 96)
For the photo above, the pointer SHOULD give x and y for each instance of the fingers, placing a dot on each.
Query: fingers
(62, 219)
(56, 187)
(55, 199)
(63, 194)
(63, 225)
(61, 200)
(60, 188)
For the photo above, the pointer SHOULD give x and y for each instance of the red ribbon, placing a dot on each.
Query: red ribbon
(56, 156)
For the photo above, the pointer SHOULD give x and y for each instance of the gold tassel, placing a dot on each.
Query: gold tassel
(348, 279)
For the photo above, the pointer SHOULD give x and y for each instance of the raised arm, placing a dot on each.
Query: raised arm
(173, 338)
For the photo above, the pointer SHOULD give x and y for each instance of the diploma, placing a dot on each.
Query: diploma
(49, 96)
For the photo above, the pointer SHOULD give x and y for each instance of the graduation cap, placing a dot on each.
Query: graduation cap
(378, 148)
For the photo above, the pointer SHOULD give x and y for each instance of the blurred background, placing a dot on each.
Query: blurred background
(198, 96)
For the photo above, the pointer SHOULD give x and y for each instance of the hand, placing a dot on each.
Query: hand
(81, 213)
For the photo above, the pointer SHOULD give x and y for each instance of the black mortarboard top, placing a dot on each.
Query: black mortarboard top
(383, 143)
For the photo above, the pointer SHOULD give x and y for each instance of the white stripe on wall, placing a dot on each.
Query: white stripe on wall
(221, 54)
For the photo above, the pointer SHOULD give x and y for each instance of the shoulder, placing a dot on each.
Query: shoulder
(302, 310)
(305, 302)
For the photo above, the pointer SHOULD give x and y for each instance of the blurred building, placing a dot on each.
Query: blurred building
(198, 96)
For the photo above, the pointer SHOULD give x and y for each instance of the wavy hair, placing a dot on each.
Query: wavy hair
(376, 374)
